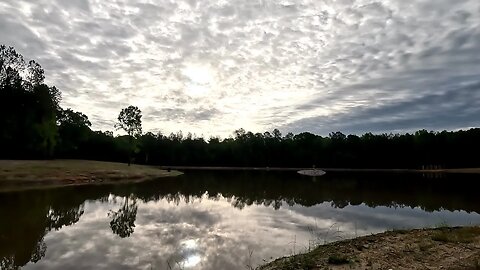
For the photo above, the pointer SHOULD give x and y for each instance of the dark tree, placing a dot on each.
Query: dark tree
(74, 133)
(130, 120)
(28, 108)
(33, 72)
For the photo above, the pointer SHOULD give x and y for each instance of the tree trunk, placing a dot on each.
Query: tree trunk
(130, 138)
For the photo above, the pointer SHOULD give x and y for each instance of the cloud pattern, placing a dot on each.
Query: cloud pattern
(211, 67)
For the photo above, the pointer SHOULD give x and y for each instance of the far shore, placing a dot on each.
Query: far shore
(32, 174)
(438, 248)
(216, 168)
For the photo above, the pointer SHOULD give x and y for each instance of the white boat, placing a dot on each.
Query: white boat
(311, 172)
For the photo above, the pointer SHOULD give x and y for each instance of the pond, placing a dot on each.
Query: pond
(220, 220)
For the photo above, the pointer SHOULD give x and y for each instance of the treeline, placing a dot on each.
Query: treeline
(421, 149)
(33, 125)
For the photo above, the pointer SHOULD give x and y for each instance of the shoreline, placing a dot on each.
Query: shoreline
(218, 168)
(18, 175)
(35, 174)
(445, 247)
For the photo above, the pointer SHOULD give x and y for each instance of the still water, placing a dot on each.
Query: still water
(219, 220)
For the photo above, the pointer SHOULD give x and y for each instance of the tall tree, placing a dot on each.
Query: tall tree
(28, 108)
(130, 120)
(32, 72)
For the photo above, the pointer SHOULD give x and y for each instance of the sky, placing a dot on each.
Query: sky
(210, 67)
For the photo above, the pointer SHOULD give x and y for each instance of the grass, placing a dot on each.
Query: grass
(337, 259)
(399, 231)
(456, 235)
(33, 173)
(303, 261)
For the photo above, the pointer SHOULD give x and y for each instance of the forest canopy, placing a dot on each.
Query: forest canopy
(35, 126)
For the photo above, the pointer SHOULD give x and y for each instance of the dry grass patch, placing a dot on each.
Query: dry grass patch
(457, 235)
(24, 174)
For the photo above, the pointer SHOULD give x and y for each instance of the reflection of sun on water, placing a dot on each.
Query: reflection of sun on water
(201, 79)
(192, 260)
(191, 256)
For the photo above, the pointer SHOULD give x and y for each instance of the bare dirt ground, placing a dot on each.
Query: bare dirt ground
(441, 248)
(27, 174)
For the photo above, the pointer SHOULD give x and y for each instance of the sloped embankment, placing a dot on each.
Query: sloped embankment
(441, 248)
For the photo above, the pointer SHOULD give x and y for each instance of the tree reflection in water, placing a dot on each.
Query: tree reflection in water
(27, 216)
(123, 220)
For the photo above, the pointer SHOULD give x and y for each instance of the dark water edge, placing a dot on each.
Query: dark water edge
(33, 223)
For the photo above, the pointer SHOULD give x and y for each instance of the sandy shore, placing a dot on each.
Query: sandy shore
(440, 248)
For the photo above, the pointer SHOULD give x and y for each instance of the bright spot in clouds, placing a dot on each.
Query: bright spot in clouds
(200, 79)
(198, 74)
(212, 66)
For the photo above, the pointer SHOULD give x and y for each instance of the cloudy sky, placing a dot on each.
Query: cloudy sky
(213, 66)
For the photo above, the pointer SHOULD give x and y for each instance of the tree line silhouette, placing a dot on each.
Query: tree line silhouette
(35, 126)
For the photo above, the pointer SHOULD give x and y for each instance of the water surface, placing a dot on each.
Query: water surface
(219, 220)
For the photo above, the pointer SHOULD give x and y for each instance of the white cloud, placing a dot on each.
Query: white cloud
(211, 67)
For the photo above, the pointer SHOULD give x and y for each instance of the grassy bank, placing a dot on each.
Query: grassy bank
(440, 248)
(26, 174)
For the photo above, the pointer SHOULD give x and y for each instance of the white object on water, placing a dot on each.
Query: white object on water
(312, 172)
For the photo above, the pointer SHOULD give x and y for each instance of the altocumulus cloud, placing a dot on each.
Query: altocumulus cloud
(210, 67)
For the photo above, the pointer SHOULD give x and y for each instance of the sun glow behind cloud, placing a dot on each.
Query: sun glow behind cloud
(200, 79)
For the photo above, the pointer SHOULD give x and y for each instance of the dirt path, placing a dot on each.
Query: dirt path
(442, 248)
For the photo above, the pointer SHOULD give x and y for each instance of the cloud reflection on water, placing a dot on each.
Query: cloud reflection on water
(203, 233)
(227, 215)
